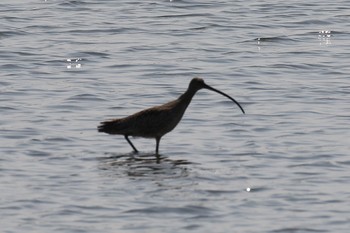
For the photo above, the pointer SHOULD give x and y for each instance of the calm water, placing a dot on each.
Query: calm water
(67, 65)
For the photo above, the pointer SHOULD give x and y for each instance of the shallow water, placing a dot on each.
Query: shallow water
(282, 167)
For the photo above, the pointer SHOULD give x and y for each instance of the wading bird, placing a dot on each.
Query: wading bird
(155, 122)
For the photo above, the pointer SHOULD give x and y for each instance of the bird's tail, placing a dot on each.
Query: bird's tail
(104, 127)
(111, 127)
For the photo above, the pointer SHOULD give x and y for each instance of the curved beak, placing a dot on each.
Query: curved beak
(217, 91)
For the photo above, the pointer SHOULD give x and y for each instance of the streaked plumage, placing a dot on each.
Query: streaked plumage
(155, 122)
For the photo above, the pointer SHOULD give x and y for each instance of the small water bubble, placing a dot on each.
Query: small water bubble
(325, 33)
(248, 189)
(324, 36)
(74, 63)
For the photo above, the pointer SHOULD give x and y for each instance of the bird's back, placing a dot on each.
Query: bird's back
(150, 123)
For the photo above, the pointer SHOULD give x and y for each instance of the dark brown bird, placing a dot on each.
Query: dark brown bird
(155, 122)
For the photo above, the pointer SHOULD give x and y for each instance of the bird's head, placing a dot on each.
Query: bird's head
(198, 83)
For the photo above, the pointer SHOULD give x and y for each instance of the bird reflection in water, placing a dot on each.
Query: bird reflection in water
(144, 165)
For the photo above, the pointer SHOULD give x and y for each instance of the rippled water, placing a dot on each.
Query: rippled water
(67, 65)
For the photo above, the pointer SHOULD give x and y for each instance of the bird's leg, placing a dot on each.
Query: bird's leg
(133, 147)
(157, 144)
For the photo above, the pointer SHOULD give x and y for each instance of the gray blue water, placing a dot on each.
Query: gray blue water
(66, 65)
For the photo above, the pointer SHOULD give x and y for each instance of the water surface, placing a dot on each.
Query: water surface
(282, 167)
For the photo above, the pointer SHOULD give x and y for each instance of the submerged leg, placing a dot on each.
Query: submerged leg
(133, 147)
(157, 145)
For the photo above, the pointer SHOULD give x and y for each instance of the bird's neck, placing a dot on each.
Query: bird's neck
(186, 97)
(179, 106)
